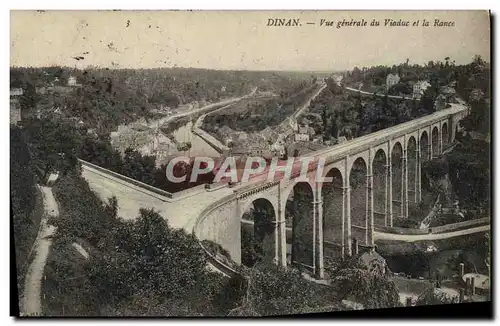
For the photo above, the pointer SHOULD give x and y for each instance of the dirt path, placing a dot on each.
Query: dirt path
(31, 297)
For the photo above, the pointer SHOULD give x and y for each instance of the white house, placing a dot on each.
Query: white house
(391, 80)
(419, 88)
(301, 137)
(72, 81)
(16, 91)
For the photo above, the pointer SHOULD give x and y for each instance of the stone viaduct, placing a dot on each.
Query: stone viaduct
(376, 178)
(321, 227)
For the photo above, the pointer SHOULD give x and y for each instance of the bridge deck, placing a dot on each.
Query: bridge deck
(180, 214)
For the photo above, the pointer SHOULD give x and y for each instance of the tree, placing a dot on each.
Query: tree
(28, 101)
(433, 297)
(271, 290)
(23, 195)
(372, 289)
(52, 146)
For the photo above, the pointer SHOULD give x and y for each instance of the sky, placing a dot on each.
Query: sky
(242, 40)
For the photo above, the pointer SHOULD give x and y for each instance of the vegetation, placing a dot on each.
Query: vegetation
(353, 281)
(271, 290)
(55, 146)
(25, 200)
(145, 267)
(129, 262)
(468, 165)
(261, 114)
(353, 115)
(432, 297)
(107, 98)
(469, 171)
(348, 114)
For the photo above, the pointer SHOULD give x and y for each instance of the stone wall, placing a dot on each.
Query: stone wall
(220, 223)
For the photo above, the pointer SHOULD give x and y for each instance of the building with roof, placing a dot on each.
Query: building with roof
(16, 92)
(391, 80)
(419, 88)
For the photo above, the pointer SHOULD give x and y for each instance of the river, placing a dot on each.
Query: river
(198, 146)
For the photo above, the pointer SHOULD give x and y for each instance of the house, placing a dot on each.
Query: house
(301, 137)
(419, 88)
(15, 111)
(304, 129)
(72, 82)
(293, 124)
(278, 148)
(338, 79)
(250, 151)
(160, 147)
(16, 91)
(242, 135)
(391, 80)
(302, 133)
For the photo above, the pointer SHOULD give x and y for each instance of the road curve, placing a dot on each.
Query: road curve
(430, 236)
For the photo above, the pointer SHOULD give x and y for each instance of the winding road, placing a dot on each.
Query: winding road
(381, 95)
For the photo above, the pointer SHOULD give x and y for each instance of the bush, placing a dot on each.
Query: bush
(25, 200)
(403, 222)
(271, 290)
(137, 267)
(353, 281)
(432, 297)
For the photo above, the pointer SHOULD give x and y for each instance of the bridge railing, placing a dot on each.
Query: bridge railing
(368, 140)
(341, 150)
(164, 195)
(127, 179)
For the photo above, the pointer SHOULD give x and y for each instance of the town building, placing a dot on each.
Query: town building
(301, 137)
(391, 80)
(160, 147)
(278, 148)
(16, 92)
(15, 107)
(419, 88)
(15, 111)
(72, 82)
(251, 151)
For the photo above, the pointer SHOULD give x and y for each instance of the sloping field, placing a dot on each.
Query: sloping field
(245, 105)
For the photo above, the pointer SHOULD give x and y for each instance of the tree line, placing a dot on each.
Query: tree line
(106, 98)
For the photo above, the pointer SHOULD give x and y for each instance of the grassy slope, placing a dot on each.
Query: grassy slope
(24, 243)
